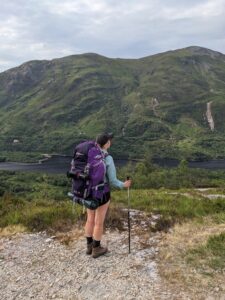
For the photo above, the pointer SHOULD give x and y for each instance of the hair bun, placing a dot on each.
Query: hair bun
(103, 138)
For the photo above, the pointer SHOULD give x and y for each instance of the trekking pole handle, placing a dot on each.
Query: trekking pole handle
(128, 189)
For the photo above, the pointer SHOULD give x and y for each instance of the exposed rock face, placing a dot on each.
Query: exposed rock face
(154, 104)
(21, 78)
(209, 116)
(204, 51)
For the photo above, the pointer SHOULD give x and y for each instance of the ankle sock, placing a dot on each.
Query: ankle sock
(96, 243)
(89, 240)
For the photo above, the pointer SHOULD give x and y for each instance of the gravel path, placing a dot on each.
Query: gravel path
(36, 266)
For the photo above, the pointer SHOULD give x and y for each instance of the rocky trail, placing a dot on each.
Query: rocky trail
(39, 266)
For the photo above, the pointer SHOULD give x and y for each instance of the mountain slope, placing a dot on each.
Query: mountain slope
(156, 104)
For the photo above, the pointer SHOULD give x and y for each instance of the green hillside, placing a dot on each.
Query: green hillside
(155, 105)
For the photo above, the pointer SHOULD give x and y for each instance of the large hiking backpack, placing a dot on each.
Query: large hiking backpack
(88, 172)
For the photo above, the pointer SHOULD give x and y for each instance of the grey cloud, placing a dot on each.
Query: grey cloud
(47, 29)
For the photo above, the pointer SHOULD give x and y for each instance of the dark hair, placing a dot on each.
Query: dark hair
(103, 138)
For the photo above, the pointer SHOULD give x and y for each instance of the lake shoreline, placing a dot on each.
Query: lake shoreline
(58, 163)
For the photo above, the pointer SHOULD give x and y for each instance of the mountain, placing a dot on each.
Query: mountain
(167, 105)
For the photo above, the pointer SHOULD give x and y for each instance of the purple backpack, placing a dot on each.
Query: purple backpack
(88, 172)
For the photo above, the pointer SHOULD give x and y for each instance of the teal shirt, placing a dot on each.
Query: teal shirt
(111, 172)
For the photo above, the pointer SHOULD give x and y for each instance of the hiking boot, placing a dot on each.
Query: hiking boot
(98, 251)
(89, 248)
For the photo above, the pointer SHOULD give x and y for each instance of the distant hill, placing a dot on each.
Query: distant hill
(166, 105)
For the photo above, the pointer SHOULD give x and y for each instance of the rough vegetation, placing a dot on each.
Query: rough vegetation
(177, 243)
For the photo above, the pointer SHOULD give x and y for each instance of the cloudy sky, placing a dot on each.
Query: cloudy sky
(46, 29)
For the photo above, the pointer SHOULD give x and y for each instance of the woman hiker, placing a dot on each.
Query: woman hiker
(95, 218)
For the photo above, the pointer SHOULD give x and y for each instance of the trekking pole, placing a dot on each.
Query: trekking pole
(128, 213)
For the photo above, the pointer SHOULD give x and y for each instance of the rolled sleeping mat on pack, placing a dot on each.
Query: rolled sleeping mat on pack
(77, 175)
(88, 203)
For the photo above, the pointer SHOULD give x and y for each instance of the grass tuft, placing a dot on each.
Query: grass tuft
(211, 254)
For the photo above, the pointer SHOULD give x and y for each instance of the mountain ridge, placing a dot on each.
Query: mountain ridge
(148, 102)
(194, 48)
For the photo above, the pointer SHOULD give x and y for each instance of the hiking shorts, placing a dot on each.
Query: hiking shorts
(106, 198)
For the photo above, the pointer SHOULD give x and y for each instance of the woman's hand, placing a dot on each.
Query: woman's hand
(127, 183)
